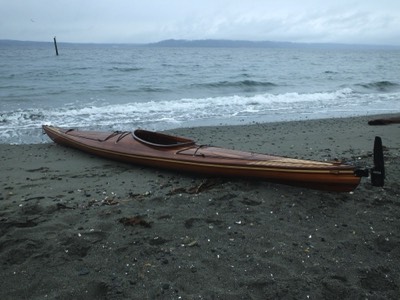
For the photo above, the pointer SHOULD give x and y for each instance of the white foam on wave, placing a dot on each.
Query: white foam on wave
(15, 125)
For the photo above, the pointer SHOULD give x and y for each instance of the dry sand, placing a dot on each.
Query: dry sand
(74, 226)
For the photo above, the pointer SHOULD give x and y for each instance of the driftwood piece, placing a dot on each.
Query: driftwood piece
(387, 121)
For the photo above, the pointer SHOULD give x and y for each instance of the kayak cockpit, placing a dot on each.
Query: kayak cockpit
(157, 139)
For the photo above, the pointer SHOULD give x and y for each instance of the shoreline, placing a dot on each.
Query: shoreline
(77, 226)
(35, 135)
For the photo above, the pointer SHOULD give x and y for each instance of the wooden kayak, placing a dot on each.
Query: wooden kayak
(183, 154)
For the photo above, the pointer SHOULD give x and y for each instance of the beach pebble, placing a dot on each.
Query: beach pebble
(83, 272)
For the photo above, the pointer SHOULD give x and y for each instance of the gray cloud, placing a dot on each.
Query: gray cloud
(134, 21)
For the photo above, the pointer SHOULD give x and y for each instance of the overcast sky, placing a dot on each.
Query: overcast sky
(142, 21)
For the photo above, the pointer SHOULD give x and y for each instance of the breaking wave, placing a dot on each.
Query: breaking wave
(239, 84)
(381, 86)
(23, 125)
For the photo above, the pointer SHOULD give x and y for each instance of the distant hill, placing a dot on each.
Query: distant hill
(16, 43)
(260, 44)
(221, 44)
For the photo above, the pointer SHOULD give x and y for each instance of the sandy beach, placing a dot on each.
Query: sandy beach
(74, 226)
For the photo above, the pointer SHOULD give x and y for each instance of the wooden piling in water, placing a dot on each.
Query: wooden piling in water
(55, 45)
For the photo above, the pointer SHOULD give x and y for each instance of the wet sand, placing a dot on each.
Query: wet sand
(74, 226)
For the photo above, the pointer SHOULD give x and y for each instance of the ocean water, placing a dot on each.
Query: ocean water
(124, 87)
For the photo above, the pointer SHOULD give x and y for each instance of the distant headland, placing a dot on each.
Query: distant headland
(212, 43)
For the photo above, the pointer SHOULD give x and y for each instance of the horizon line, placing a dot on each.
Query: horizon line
(209, 40)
